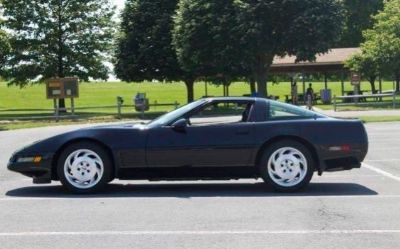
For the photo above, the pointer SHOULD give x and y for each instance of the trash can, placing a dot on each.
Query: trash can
(141, 102)
(326, 96)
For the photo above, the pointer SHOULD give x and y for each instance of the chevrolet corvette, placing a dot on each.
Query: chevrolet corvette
(209, 139)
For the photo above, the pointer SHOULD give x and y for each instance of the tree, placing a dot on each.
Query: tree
(382, 42)
(58, 38)
(145, 49)
(301, 28)
(358, 17)
(367, 66)
(4, 43)
(206, 39)
(4, 48)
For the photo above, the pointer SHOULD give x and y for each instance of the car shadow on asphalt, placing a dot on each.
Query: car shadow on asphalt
(185, 190)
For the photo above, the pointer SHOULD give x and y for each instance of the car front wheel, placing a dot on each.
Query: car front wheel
(84, 168)
(287, 165)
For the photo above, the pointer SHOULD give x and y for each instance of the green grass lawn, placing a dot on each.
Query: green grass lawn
(104, 94)
(18, 102)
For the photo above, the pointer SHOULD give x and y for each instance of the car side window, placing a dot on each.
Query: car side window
(221, 113)
(281, 111)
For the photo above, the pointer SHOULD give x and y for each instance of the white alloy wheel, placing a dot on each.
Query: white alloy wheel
(83, 168)
(287, 167)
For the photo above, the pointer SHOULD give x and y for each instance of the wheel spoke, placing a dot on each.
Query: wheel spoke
(83, 168)
(287, 166)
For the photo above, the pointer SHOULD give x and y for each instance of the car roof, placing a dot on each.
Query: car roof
(235, 99)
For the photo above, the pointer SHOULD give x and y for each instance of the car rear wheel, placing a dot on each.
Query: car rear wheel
(287, 165)
(84, 168)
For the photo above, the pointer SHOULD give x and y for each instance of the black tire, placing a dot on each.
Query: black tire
(101, 181)
(265, 170)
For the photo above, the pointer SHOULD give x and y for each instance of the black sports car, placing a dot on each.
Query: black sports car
(210, 139)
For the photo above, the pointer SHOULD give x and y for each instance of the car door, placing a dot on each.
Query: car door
(166, 148)
(220, 145)
(216, 141)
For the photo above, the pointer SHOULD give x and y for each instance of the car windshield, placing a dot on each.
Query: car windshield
(174, 115)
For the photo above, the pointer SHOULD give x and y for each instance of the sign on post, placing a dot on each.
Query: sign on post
(355, 78)
(356, 81)
(61, 88)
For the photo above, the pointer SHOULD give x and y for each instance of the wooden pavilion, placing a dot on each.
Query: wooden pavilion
(331, 62)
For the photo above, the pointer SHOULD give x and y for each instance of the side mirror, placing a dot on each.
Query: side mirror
(180, 125)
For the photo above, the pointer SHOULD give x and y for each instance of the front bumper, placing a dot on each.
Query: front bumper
(40, 172)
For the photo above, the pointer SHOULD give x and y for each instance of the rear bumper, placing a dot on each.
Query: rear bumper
(331, 161)
(339, 164)
(40, 172)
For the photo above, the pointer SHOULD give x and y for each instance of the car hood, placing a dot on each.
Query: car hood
(132, 125)
(113, 136)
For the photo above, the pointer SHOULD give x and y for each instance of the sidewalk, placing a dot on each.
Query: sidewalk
(355, 114)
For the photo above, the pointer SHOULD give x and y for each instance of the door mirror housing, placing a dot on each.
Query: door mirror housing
(180, 125)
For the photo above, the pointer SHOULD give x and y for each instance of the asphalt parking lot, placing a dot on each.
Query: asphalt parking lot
(354, 209)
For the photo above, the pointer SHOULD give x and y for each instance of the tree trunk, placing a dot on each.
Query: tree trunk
(226, 83)
(190, 92)
(372, 82)
(252, 86)
(261, 74)
(262, 86)
(60, 55)
(397, 83)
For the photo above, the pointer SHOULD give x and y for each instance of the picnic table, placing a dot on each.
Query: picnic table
(351, 93)
(301, 98)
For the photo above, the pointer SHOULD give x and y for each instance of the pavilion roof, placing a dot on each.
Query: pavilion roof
(333, 60)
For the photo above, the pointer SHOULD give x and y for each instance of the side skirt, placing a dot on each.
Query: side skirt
(188, 173)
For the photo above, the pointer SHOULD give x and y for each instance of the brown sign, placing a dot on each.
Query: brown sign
(60, 88)
(355, 78)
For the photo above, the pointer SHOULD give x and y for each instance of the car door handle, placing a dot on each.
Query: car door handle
(242, 133)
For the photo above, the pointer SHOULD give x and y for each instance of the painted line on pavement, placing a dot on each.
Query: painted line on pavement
(220, 232)
(384, 160)
(382, 172)
(384, 149)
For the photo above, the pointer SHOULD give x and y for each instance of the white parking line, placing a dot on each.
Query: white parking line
(384, 160)
(382, 172)
(220, 232)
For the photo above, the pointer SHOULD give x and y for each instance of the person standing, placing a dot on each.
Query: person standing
(310, 97)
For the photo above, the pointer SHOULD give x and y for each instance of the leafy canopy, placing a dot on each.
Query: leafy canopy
(207, 38)
(295, 27)
(4, 48)
(383, 40)
(58, 38)
(144, 48)
(4, 43)
(357, 17)
(244, 36)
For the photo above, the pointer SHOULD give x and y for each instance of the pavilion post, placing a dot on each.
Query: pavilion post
(380, 84)
(304, 86)
(342, 81)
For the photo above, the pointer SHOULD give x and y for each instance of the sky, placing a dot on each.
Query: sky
(119, 3)
(120, 6)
